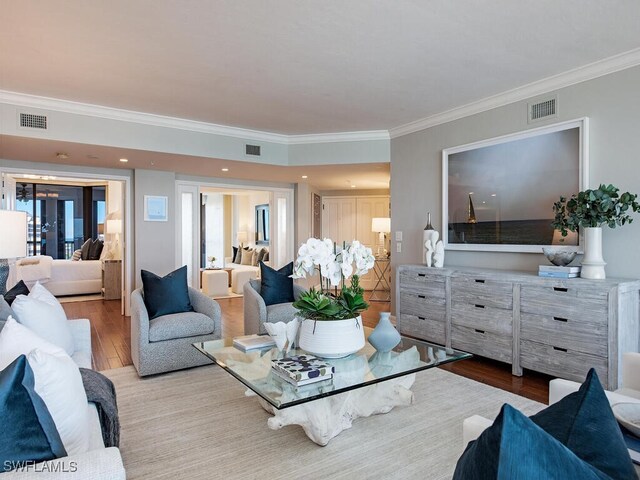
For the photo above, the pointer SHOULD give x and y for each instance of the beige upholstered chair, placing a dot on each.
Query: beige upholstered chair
(165, 343)
(256, 313)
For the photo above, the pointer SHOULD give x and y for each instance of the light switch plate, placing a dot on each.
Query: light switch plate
(399, 236)
(398, 247)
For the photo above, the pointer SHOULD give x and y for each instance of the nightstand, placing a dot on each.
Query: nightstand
(111, 279)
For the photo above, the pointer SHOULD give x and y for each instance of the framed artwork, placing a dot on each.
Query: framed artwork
(317, 216)
(498, 194)
(155, 208)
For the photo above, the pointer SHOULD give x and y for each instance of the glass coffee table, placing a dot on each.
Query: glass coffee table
(365, 383)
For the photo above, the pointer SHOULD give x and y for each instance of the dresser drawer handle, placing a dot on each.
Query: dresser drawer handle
(422, 296)
(558, 349)
(560, 319)
(479, 281)
(479, 306)
(421, 318)
(479, 331)
(560, 289)
(422, 274)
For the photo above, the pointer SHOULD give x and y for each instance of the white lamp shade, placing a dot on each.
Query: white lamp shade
(13, 241)
(381, 224)
(242, 237)
(114, 226)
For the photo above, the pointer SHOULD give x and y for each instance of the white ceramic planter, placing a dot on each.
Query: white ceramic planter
(593, 263)
(332, 338)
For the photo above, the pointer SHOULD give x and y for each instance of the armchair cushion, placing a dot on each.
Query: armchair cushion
(166, 295)
(281, 312)
(276, 286)
(180, 325)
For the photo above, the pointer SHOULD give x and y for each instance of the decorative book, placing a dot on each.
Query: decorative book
(555, 268)
(288, 379)
(302, 368)
(253, 342)
(558, 274)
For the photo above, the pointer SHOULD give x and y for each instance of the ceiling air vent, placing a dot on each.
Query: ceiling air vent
(540, 110)
(253, 150)
(30, 120)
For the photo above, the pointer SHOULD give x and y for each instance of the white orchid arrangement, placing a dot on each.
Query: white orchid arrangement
(335, 264)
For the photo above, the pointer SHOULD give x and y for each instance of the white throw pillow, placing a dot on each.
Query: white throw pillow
(59, 384)
(42, 313)
(16, 340)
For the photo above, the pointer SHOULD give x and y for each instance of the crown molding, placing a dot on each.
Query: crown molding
(98, 111)
(339, 137)
(577, 75)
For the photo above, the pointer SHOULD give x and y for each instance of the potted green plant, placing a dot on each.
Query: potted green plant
(591, 210)
(331, 324)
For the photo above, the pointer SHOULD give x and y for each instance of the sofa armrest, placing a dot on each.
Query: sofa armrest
(81, 333)
(100, 464)
(207, 306)
(560, 388)
(255, 310)
(631, 370)
(472, 427)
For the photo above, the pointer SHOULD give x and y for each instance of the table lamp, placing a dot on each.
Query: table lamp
(13, 242)
(242, 238)
(382, 226)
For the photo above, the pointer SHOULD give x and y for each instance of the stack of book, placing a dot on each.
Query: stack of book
(253, 342)
(552, 271)
(302, 369)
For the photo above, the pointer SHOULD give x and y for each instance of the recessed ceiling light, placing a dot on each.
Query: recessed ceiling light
(470, 193)
(494, 194)
(305, 176)
(353, 186)
(225, 169)
(124, 160)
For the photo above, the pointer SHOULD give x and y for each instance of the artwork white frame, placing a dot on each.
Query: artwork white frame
(156, 208)
(582, 124)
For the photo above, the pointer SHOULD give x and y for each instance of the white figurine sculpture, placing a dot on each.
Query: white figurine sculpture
(434, 251)
(284, 334)
(429, 252)
(438, 256)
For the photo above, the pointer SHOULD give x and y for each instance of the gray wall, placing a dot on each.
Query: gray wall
(611, 102)
(155, 242)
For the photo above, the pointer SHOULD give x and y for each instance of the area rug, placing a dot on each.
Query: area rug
(198, 424)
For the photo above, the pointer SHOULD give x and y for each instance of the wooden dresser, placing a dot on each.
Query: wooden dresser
(556, 326)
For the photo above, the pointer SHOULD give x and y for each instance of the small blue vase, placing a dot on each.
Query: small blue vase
(384, 337)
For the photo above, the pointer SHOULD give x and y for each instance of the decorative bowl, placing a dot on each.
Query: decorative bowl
(560, 256)
(628, 415)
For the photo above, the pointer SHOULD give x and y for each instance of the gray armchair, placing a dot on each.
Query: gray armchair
(256, 313)
(164, 343)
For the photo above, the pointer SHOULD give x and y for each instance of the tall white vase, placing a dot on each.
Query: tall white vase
(593, 263)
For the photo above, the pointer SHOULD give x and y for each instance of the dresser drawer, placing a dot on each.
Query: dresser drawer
(484, 292)
(423, 305)
(581, 335)
(496, 320)
(561, 362)
(425, 283)
(565, 301)
(422, 327)
(482, 342)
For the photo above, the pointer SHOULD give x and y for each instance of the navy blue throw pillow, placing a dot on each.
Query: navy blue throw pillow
(166, 295)
(582, 422)
(18, 289)
(276, 286)
(28, 433)
(235, 254)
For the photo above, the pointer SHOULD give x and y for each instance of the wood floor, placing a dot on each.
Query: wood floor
(111, 340)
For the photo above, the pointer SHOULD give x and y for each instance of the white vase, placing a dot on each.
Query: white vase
(593, 263)
(332, 338)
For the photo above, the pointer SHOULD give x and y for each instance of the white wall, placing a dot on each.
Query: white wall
(611, 102)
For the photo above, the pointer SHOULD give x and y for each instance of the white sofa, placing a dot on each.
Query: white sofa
(61, 277)
(236, 267)
(473, 426)
(99, 463)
